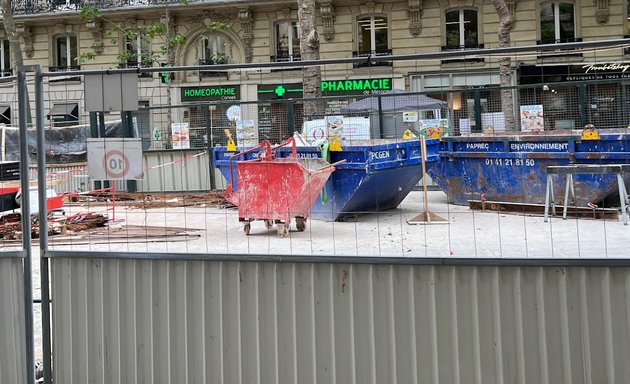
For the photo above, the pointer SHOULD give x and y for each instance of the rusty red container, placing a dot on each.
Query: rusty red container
(277, 190)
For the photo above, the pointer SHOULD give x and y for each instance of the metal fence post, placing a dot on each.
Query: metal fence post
(43, 223)
(209, 143)
(582, 104)
(26, 225)
(478, 123)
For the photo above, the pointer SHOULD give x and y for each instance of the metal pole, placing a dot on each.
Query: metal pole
(43, 224)
(380, 117)
(26, 227)
(209, 143)
(478, 127)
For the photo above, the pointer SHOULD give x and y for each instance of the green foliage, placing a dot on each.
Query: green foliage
(159, 30)
(90, 13)
(219, 58)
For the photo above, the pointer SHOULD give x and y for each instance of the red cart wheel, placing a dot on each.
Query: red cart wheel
(283, 230)
(246, 228)
(268, 224)
(300, 223)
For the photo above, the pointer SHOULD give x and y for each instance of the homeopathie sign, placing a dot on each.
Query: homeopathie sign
(211, 93)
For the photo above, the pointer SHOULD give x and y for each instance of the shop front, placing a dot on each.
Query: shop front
(206, 115)
(574, 95)
(280, 110)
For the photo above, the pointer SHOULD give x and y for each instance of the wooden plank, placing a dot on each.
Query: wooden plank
(539, 210)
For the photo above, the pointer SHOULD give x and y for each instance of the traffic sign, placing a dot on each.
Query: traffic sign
(115, 159)
(116, 164)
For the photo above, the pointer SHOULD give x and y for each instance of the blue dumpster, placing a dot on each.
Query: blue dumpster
(376, 176)
(511, 168)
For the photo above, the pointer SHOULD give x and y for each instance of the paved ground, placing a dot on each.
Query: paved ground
(465, 233)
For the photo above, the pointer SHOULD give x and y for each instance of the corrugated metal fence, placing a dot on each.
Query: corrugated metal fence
(337, 321)
(12, 323)
(165, 171)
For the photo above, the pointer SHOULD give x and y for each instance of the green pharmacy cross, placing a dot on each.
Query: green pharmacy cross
(280, 90)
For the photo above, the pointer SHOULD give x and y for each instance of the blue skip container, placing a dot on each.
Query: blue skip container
(377, 175)
(511, 167)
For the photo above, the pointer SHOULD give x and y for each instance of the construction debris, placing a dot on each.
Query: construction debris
(139, 200)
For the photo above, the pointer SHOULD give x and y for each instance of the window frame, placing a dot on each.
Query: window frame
(373, 51)
(141, 42)
(294, 27)
(204, 43)
(462, 29)
(555, 4)
(57, 57)
(5, 58)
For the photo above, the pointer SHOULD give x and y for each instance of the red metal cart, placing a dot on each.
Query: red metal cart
(276, 190)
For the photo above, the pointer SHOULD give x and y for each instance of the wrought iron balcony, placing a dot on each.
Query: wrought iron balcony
(468, 60)
(210, 73)
(33, 7)
(447, 48)
(135, 64)
(65, 68)
(370, 54)
(6, 72)
(284, 57)
(559, 41)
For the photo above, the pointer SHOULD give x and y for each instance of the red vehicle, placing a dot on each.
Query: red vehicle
(276, 190)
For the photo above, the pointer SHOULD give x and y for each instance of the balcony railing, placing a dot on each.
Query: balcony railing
(210, 73)
(468, 60)
(33, 7)
(65, 68)
(135, 64)
(370, 54)
(559, 41)
(6, 72)
(284, 57)
(559, 54)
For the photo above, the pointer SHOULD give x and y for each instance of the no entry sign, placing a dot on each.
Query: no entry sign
(115, 159)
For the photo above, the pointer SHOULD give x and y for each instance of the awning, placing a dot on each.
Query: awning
(64, 110)
(5, 114)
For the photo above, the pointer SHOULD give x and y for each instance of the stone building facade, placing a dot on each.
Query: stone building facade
(53, 35)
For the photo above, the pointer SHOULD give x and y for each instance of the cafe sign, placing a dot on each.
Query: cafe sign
(210, 93)
(599, 71)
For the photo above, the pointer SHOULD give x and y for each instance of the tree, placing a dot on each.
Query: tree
(162, 29)
(14, 43)
(505, 63)
(309, 50)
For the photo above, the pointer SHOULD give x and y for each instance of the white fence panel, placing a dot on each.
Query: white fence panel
(160, 321)
(12, 323)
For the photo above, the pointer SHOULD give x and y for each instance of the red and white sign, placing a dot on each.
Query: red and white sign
(115, 159)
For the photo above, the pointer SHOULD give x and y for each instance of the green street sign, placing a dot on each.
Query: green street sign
(211, 93)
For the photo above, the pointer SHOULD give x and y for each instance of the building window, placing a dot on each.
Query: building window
(5, 59)
(214, 49)
(462, 29)
(557, 23)
(372, 40)
(66, 53)
(287, 41)
(372, 37)
(137, 51)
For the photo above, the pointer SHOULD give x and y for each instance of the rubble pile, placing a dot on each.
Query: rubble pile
(161, 199)
(11, 226)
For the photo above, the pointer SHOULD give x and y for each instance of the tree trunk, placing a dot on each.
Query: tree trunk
(309, 50)
(505, 64)
(14, 42)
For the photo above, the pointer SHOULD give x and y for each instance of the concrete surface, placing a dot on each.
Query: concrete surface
(466, 233)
